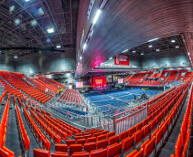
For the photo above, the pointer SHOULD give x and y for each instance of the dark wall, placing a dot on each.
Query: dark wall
(170, 59)
(45, 62)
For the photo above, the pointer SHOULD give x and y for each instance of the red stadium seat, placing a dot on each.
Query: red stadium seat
(138, 136)
(61, 147)
(80, 154)
(90, 146)
(3, 153)
(149, 148)
(113, 139)
(146, 130)
(69, 142)
(127, 143)
(132, 154)
(131, 131)
(60, 154)
(41, 153)
(139, 126)
(101, 137)
(91, 139)
(158, 136)
(98, 153)
(75, 148)
(110, 134)
(114, 150)
(123, 135)
(81, 141)
(102, 144)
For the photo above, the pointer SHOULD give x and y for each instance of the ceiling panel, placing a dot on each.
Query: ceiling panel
(126, 24)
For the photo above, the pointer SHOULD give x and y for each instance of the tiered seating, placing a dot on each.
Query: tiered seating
(183, 138)
(40, 136)
(138, 78)
(172, 75)
(153, 144)
(23, 133)
(32, 83)
(48, 127)
(30, 90)
(4, 122)
(71, 96)
(40, 84)
(3, 131)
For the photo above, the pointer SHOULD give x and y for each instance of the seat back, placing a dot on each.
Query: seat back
(61, 147)
(90, 146)
(80, 154)
(110, 134)
(75, 148)
(113, 139)
(91, 139)
(101, 137)
(114, 150)
(41, 153)
(127, 143)
(102, 144)
(69, 142)
(81, 141)
(98, 153)
(123, 135)
(60, 154)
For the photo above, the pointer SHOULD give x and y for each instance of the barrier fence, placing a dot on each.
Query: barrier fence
(127, 119)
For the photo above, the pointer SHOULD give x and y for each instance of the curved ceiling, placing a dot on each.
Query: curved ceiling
(126, 24)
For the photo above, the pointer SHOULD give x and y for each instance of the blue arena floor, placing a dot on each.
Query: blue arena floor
(117, 98)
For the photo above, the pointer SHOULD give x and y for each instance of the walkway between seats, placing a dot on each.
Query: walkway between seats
(169, 146)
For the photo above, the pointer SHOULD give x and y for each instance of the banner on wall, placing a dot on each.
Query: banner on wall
(122, 59)
(79, 84)
(120, 80)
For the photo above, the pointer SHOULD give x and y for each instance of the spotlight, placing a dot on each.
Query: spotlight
(177, 46)
(157, 50)
(150, 46)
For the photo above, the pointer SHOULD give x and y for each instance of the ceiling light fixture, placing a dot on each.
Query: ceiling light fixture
(15, 57)
(153, 39)
(125, 50)
(157, 50)
(173, 41)
(150, 46)
(50, 30)
(58, 46)
(142, 53)
(177, 46)
(96, 17)
(134, 51)
(84, 46)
